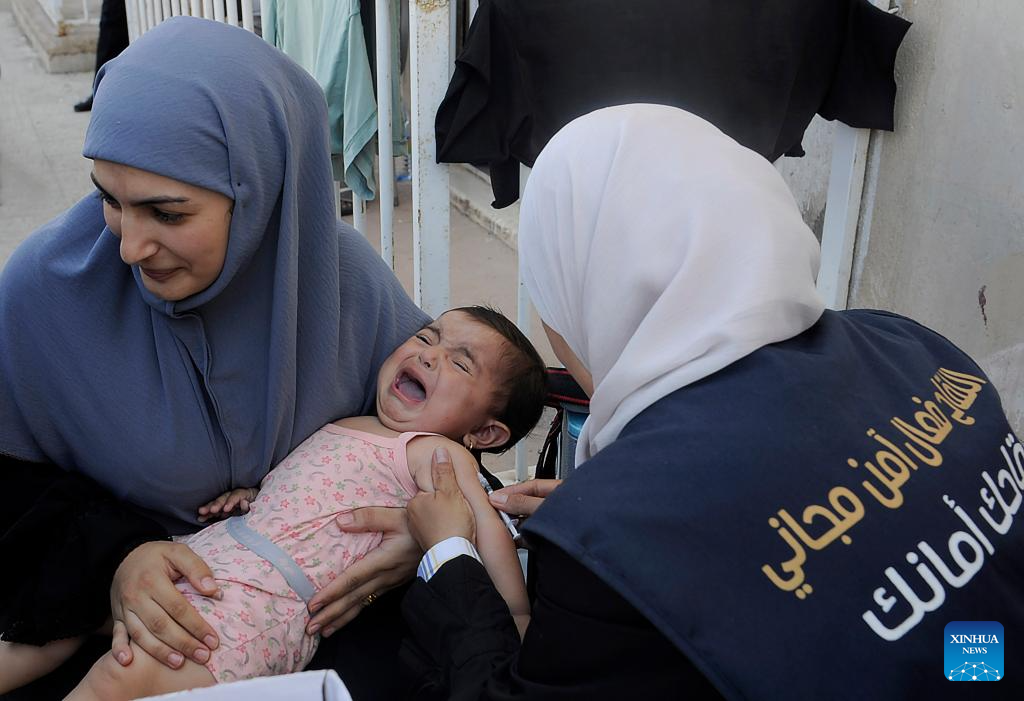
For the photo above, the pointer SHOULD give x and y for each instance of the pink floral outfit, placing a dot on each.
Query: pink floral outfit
(261, 620)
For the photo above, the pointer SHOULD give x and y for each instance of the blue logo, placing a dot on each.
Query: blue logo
(973, 651)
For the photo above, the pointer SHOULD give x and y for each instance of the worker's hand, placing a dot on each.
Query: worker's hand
(523, 499)
(235, 501)
(385, 567)
(147, 608)
(444, 512)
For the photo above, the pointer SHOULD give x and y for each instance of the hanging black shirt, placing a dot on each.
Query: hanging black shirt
(757, 69)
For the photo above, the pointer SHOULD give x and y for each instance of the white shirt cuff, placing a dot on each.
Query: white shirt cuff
(447, 549)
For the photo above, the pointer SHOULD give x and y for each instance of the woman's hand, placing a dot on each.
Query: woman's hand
(227, 503)
(148, 609)
(385, 567)
(524, 498)
(443, 513)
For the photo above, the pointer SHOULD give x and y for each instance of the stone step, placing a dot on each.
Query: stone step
(62, 47)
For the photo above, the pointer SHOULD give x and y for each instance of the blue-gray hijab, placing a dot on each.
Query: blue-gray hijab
(170, 403)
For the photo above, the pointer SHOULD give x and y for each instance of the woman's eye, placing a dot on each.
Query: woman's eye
(107, 199)
(462, 366)
(167, 217)
(423, 338)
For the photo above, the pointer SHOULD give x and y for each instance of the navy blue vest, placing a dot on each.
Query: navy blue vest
(804, 523)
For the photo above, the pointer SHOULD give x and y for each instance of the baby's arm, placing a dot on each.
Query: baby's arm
(493, 541)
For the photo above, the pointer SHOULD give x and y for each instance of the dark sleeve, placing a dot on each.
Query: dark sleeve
(462, 632)
(583, 642)
(63, 537)
(863, 90)
(484, 114)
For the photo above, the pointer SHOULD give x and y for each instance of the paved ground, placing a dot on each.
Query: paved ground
(42, 173)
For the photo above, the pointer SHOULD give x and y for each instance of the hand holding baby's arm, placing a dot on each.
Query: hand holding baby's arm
(228, 504)
(444, 512)
(459, 507)
(524, 498)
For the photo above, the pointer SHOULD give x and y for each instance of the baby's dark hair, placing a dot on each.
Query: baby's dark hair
(523, 387)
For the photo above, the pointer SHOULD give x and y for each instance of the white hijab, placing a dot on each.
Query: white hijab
(662, 251)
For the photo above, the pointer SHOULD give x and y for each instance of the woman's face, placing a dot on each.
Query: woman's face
(177, 234)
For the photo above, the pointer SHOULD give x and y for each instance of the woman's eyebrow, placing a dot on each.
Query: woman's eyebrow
(161, 199)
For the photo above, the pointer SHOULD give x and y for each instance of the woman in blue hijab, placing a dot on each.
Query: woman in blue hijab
(178, 332)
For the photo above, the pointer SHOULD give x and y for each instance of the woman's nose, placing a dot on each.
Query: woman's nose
(136, 246)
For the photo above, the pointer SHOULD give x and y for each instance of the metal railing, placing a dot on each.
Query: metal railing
(143, 15)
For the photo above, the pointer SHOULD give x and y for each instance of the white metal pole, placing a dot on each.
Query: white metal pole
(429, 62)
(842, 210)
(386, 166)
(131, 10)
(453, 30)
(197, 8)
(248, 19)
(523, 322)
(523, 308)
(359, 213)
(150, 14)
(218, 9)
(232, 13)
(208, 9)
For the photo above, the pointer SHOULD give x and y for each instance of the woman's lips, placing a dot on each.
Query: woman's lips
(159, 275)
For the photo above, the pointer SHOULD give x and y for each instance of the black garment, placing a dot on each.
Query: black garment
(60, 682)
(584, 640)
(363, 653)
(757, 69)
(67, 536)
(112, 40)
(113, 37)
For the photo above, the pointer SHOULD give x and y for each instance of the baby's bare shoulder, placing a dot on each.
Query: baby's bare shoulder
(423, 447)
(420, 453)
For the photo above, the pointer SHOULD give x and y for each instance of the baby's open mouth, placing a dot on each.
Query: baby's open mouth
(410, 388)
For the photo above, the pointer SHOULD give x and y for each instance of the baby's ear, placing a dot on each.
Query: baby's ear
(491, 434)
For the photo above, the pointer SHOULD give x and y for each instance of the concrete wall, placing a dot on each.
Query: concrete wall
(945, 243)
(807, 176)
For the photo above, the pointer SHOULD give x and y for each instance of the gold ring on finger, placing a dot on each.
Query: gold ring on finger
(369, 599)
